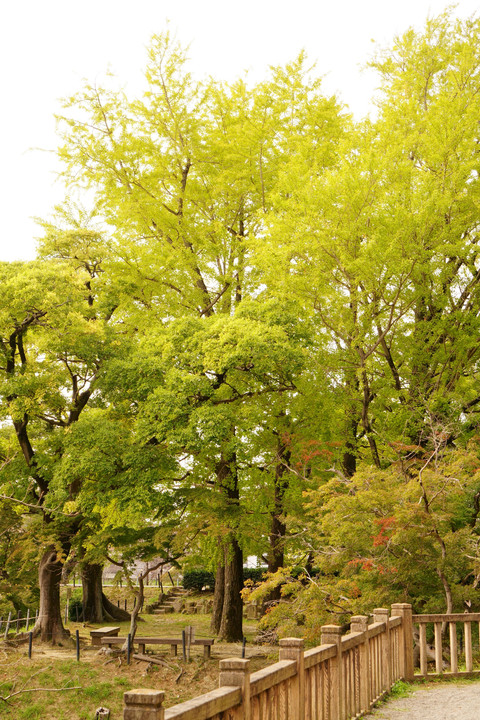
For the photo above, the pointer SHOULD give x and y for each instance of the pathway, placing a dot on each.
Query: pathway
(446, 701)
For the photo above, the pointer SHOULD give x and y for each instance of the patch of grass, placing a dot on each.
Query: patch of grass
(32, 712)
(123, 683)
(400, 689)
(99, 691)
(103, 679)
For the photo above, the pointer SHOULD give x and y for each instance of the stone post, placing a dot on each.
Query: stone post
(292, 649)
(144, 705)
(381, 615)
(404, 610)
(332, 635)
(235, 672)
(359, 624)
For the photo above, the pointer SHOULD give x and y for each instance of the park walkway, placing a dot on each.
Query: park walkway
(445, 701)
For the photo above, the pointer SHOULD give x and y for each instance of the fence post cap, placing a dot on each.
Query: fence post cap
(292, 642)
(234, 664)
(402, 606)
(331, 629)
(235, 672)
(141, 696)
(358, 623)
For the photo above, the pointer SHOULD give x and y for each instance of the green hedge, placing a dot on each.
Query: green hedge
(198, 579)
(255, 574)
(75, 604)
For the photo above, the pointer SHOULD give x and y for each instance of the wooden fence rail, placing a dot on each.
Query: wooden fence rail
(338, 680)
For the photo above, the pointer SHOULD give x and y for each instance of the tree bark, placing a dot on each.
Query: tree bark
(92, 595)
(278, 528)
(349, 461)
(139, 598)
(232, 608)
(97, 607)
(112, 612)
(218, 598)
(49, 624)
(231, 625)
(277, 542)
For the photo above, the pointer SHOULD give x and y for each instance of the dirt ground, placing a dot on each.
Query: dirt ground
(446, 701)
(54, 686)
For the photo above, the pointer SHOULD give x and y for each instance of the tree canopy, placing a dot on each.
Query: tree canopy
(263, 339)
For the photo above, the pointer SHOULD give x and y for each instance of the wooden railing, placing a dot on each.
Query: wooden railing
(451, 651)
(338, 680)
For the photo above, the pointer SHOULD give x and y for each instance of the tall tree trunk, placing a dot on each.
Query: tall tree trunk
(92, 595)
(232, 608)
(231, 625)
(276, 554)
(278, 528)
(349, 460)
(49, 624)
(218, 597)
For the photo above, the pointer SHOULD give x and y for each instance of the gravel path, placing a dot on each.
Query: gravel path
(449, 701)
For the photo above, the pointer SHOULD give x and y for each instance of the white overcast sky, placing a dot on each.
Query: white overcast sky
(48, 46)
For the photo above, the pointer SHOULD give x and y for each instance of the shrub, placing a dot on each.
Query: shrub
(74, 604)
(254, 574)
(198, 579)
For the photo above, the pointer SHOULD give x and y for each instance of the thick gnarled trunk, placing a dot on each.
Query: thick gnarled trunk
(97, 608)
(49, 624)
(112, 612)
(92, 596)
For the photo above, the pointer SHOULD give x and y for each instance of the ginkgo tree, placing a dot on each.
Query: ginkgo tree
(383, 246)
(184, 176)
(383, 249)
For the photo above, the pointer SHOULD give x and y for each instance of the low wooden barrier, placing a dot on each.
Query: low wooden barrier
(14, 623)
(338, 680)
(451, 651)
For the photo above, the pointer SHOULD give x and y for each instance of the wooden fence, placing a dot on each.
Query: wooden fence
(338, 680)
(14, 623)
(447, 651)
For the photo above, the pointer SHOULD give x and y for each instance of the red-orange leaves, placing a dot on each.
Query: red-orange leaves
(386, 526)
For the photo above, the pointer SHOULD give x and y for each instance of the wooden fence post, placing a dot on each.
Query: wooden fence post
(8, 625)
(332, 635)
(381, 615)
(404, 610)
(359, 624)
(292, 649)
(144, 705)
(235, 672)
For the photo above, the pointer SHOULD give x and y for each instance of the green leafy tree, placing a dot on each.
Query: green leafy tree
(382, 247)
(184, 177)
(54, 339)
